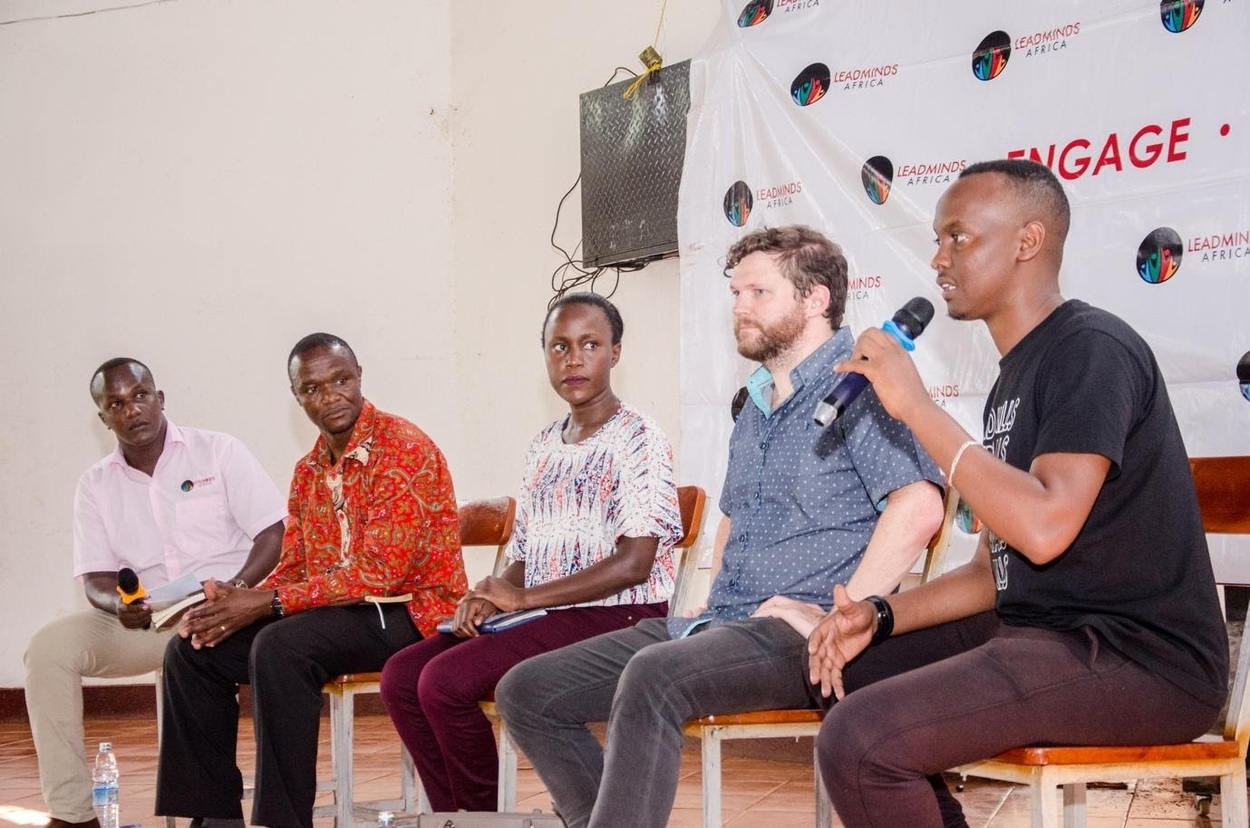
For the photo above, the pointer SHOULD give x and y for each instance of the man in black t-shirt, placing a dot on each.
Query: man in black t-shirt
(1089, 613)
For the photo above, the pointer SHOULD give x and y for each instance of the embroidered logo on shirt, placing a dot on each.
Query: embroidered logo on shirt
(188, 485)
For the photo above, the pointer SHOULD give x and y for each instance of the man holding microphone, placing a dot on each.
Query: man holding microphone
(168, 501)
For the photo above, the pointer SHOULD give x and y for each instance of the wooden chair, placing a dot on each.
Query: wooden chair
(773, 724)
(1224, 497)
(691, 500)
(482, 523)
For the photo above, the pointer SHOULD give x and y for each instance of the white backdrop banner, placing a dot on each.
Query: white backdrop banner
(855, 116)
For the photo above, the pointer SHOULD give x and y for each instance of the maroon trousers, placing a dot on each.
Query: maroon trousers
(917, 710)
(432, 689)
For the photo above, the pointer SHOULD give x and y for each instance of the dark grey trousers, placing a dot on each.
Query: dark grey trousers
(646, 686)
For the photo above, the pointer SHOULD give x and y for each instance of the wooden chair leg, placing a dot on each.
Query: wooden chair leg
(507, 770)
(408, 781)
(1233, 802)
(1074, 805)
(1045, 805)
(160, 704)
(824, 807)
(341, 731)
(711, 778)
(345, 810)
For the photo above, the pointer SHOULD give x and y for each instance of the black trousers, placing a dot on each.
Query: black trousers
(286, 662)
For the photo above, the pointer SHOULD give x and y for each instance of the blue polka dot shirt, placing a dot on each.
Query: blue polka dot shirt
(803, 500)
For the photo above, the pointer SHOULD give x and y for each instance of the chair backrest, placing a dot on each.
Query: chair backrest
(1223, 485)
(691, 501)
(488, 522)
(935, 553)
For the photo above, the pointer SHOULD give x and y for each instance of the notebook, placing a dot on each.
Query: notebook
(501, 620)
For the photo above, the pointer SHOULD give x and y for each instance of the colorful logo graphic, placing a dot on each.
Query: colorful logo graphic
(1159, 256)
(1179, 15)
(990, 58)
(1243, 375)
(187, 486)
(755, 13)
(877, 175)
(965, 520)
(738, 203)
(811, 85)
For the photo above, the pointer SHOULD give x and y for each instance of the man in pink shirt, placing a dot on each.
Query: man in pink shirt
(167, 502)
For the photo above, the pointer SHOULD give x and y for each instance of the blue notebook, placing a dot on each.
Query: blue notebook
(501, 620)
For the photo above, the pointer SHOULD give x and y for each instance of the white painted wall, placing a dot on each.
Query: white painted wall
(198, 183)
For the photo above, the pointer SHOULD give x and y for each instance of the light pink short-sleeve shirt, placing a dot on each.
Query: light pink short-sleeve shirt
(199, 511)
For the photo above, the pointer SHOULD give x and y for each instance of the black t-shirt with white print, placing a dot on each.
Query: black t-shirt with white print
(1138, 573)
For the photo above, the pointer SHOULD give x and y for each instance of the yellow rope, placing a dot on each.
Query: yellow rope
(649, 56)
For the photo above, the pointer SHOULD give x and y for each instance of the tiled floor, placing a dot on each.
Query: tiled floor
(758, 793)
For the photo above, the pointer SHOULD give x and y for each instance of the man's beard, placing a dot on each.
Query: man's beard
(772, 341)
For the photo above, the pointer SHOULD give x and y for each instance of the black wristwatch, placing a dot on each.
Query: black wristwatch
(275, 605)
(885, 619)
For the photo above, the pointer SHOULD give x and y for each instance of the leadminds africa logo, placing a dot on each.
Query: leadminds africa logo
(1179, 15)
(1159, 256)
(755, 13)
(990, 58)
(877, 174)
(1243, 375)
(811, 85)
(966, 519)
(738, 203)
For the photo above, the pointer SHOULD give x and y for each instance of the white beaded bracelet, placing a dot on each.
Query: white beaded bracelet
(950, 475)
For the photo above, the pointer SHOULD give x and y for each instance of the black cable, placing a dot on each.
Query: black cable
(560, 206)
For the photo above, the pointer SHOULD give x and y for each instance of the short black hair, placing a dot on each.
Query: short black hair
(314, 341)
(109, 365)
(593, 299)
(1037, 186)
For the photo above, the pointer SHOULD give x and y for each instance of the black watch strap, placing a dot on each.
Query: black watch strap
(275, 605)
(885, 619)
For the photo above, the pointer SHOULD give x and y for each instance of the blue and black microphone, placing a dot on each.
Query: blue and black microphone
(905, 326)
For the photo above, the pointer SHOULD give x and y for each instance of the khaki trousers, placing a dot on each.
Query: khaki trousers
(59, 656)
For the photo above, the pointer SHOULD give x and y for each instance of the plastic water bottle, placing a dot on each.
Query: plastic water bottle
(104, 790)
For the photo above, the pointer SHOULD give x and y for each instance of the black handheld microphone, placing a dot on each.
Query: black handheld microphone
(905, 326)
(128, 586)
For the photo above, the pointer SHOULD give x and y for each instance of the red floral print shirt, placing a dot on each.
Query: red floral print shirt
(380, 521)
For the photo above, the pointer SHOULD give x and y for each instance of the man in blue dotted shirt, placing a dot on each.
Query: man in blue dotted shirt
(807, 508)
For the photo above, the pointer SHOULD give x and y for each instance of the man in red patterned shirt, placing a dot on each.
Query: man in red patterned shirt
(372, 515)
